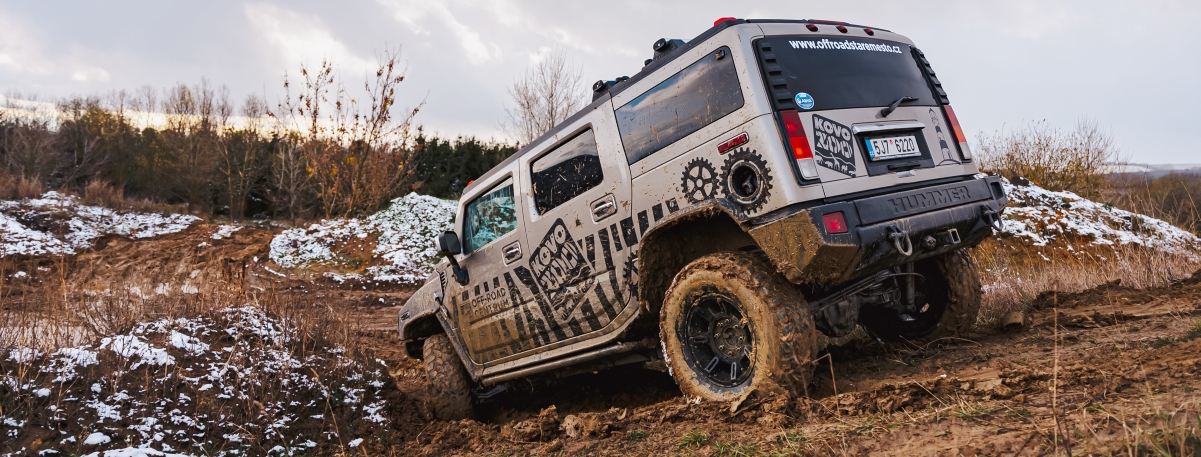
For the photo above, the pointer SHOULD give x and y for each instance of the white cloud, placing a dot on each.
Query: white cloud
(21, 52)
(301, 38)
(413, 13)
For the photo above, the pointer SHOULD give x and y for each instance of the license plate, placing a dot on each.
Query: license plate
(893, 147)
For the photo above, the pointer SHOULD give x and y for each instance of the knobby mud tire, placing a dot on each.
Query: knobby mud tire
(952, 288)
(964, 294)
(450, 386)
(784, 335)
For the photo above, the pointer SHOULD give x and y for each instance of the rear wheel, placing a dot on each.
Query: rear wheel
(948, 302)
(731, 324)
(450, 387)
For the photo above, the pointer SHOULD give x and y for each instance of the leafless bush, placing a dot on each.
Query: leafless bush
(1076, 161)
(98, 192)
(1172, 198)
(15, 187)
(355, 153)
(545, 95)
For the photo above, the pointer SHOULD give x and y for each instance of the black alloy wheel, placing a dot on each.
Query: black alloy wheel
(720, 343)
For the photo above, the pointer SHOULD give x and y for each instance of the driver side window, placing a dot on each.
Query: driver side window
(490, 216)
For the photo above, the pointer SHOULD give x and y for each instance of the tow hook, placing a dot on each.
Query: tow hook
(896, 235)
(991, 217)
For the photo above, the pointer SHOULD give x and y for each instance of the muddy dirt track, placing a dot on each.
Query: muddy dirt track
(1119, 374)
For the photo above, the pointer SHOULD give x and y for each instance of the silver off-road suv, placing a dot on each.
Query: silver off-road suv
(747, 189)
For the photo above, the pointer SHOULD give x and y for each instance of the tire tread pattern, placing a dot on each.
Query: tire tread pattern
(450, 387)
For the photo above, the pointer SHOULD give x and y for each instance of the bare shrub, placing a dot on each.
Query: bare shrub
(1054, 159)
(15, 187)
(547, 94)
(354, 150)
(98, 192)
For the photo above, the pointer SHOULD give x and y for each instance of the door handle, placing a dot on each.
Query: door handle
(604, 207)
(512, 252)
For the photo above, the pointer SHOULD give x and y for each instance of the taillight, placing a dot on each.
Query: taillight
(959, 138)
(799, 143)
(835, 222)
(724, 19)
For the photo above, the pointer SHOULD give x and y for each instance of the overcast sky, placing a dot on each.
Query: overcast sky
(1135, 67)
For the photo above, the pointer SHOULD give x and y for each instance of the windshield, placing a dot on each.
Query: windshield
(838, 73)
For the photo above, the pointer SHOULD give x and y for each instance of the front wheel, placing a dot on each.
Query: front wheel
(450, 386)
(731, 324)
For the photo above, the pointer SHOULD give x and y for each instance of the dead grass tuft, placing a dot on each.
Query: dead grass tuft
(1015, 274)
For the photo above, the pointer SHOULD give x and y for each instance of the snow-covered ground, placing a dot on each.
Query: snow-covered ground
(405, 236)
(1040, 217)
(234, 382)
(61, 224)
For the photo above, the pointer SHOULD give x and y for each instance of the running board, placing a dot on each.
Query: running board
(568, 361)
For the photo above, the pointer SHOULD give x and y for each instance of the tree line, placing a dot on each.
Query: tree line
(323, 150)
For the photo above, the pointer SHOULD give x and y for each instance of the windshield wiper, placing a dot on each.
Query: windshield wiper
(893, 106)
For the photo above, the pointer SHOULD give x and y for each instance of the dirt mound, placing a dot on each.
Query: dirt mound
(234, 381)
(1117, 384)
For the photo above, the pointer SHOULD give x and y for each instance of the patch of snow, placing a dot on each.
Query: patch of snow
(1040, 217)
(96, 438)
(355, 442)
(405, 236)
(134, 452)
(225, 231)
(80, 225)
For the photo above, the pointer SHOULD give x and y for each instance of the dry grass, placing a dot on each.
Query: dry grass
(1014, 274)
(14, 187)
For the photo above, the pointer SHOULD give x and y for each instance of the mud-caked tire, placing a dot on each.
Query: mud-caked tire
(450, 386)
(733, 309)
(953, 293)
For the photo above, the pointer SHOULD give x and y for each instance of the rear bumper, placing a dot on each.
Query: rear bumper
(884, 231)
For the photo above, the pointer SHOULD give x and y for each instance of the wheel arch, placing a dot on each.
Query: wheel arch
(668, 247)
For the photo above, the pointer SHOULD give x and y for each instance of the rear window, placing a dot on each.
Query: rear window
(839, 73)
(695, 97)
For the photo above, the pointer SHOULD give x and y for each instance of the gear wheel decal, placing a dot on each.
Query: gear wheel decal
(746, 180)
(629, 273)
(700, 181)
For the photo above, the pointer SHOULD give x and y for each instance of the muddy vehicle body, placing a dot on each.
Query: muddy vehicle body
(761, 183)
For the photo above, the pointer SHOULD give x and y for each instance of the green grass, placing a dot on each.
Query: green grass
(635, 435)
(697, 438)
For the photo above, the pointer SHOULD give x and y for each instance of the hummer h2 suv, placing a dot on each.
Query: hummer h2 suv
(745, 190)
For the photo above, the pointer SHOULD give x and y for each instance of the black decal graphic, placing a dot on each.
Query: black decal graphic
(643, 222)
(700, 181)
(746, 179)
(656, 210)
(627, 232)
(589, 314)
(590, 249)
(605, 302)
(834, 146)
(527, 278)
(616, 236)
(942, 140)
(561, 271)
(672, 206)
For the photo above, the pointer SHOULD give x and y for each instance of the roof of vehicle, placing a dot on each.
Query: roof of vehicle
(643, 73)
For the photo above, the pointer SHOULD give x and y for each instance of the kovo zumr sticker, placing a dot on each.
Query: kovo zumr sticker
(804, 100)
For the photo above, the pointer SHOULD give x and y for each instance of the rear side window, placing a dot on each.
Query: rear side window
(687, 101)
(567, 171)
(490, 216)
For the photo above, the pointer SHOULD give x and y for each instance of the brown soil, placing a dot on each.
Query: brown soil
(1119, 373)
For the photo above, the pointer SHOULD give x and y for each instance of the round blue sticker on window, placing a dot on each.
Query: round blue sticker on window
(804, 100)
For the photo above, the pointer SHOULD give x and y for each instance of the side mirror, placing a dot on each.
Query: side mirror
(448, 245)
